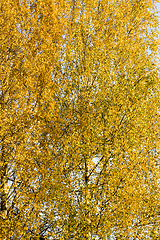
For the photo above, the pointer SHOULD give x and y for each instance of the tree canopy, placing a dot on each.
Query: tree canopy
(79, 119)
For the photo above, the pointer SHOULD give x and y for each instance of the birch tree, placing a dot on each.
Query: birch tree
(79, 119)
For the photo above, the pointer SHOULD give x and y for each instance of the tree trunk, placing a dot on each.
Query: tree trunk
(3, 173)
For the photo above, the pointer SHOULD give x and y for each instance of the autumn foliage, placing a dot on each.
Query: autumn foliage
(79, 120)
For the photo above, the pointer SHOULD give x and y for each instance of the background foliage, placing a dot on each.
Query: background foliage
(79, 125)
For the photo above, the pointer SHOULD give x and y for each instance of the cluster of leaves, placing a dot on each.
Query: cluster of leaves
(79, 119)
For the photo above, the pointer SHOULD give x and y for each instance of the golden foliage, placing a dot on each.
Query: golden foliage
(79, 123)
